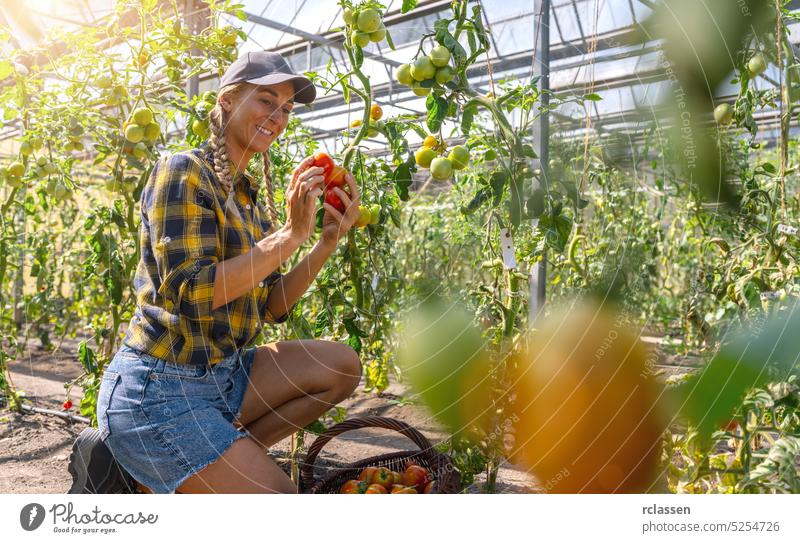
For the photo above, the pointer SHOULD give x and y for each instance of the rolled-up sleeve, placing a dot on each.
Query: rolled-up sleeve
(183, 235)
(265, 287)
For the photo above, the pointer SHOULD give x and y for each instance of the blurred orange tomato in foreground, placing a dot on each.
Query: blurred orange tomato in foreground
(586, 402)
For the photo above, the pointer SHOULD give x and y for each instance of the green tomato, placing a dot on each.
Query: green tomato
(723, 114)
(200, 128)
(368, 20)
(143, 116)
(423, 69)
(349, 16)
(403, 74)
(360, 38)
(757, 65)
(444, 75)
(424, 156)
(204, 108)
(459, 157)
(419, 90)
(26, 148)
(374, 213)
(61, 191)
(17, 169)
(152, 131)
(490, 155)
(440, 56)
(379, 35)
(140, 150)
(134, 133)
(104, 82)
(441, 168)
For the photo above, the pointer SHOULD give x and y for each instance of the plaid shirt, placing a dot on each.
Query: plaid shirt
(184, 233)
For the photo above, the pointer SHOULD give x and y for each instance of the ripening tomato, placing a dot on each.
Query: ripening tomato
(324, 161)
(428, 488)
(586, 404)
(353, 487)
(400, 489)
(366, 474)
(375, 112)
(336, 177)
(383, 476)
(397, 478)
(416, 476)
(376, 489)
(364, 217)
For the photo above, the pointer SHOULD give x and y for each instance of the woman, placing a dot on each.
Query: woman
(185, 406)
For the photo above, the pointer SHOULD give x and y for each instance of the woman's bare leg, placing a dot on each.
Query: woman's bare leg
(292, 383)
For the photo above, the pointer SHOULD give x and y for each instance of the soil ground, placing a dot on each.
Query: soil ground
(34, 447)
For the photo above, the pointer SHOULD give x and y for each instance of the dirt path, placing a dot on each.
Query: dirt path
(34, 448)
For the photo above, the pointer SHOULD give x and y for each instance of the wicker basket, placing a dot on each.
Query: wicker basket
(447, 480)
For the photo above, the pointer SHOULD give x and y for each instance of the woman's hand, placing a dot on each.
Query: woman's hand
(301, 199)
(335, 224)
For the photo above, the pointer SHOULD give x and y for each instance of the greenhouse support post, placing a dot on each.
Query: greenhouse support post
(541, 136)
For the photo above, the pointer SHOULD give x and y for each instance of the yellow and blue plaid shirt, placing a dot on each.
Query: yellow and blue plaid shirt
(184, 233)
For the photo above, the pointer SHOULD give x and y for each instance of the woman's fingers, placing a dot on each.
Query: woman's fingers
(351, 182)
(346, 199)
(333, 211)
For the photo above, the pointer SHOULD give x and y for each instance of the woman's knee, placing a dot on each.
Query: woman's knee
(346, 365)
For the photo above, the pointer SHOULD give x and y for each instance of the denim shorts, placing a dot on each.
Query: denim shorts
(164, 421)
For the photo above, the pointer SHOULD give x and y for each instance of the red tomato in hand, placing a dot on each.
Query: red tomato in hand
(336, 177)
(335, 201)
(324, 161)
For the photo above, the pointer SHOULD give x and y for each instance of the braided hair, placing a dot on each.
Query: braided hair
(218, 124)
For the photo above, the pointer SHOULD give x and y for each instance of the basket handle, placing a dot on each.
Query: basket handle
(307, 469)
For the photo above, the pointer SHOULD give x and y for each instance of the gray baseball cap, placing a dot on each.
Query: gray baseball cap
(267, 68)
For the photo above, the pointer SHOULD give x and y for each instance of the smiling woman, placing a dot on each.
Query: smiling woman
(187, 387)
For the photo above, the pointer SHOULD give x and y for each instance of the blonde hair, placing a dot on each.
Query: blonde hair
(218, 124)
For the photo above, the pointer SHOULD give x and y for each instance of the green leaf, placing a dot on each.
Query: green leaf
(714, 394)
(86, 357)
(444, 37)
(359, 56)
(355, 334)
(594, 97)
(769, 168)
(498, 184)
(437, 110)
(466, 119)
(482, 195)
(408, 5)
(402, 180)
(6, 68)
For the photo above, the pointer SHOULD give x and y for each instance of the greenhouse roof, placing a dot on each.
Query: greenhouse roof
(595, 46)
